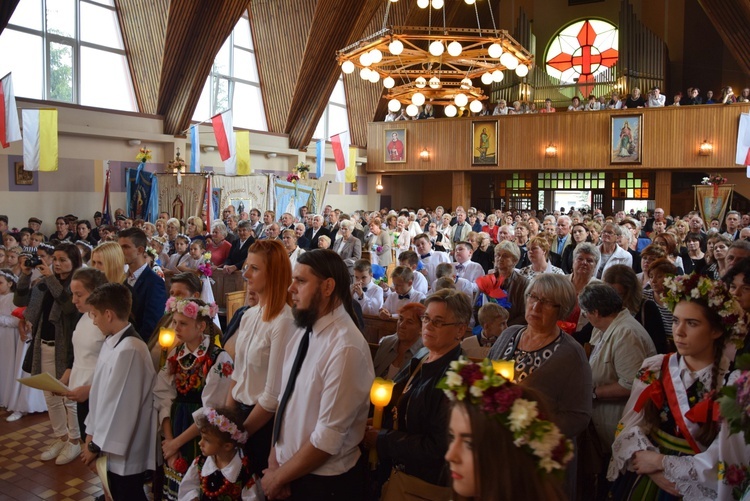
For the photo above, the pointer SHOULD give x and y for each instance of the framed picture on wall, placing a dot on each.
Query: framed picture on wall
(484, 142)
(626, 139)
(395, 146)
(23, 177)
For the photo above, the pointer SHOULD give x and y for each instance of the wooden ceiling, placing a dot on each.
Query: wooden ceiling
(171, 46)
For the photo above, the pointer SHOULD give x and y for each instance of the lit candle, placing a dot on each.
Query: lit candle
(166, 338)
(504, 368)
(380, 396)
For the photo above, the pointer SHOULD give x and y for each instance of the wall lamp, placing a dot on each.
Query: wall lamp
(208, 149)
(550, 151)
(379, 185)
(706, 149)
(424, 154)
(134, 142)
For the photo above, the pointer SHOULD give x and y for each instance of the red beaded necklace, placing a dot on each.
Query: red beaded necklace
(232, 489)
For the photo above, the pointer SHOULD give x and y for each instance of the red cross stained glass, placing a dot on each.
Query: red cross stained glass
(582, 50)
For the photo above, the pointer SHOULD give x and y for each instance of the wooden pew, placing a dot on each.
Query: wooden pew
(376, 328)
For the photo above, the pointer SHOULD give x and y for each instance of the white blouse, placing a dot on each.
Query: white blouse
(259, 357)
(87, 343)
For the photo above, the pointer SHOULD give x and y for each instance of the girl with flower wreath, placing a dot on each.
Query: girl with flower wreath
(197, 374)
(220, 471)
(501, 446)
(672, 407)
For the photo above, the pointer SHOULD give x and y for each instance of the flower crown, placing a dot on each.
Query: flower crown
(85, 244)
(47, 247)
(152, 252)
(716, 295)
(495, 395)
(190, 308)
(225, 425)
(182, 235)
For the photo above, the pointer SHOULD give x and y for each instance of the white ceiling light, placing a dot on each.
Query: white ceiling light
(509, 60)
(476, 106)
(434, 83)
(374, 76)
(450, 111)
(364, 73)
(347, 67)
(394, 105)
(461, 100)
(497, 76)
(422, 4)
(417, 98)
(522, 70)
(495, 50)
(437, 4)
(437, 48)
(412, 110)
(365, 59)
(466, 84)
(388, 82)
(454, 48)
(396, 47)
(376, 56)
(486, 78)
(420, 82)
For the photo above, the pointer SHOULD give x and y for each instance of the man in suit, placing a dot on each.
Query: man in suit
(333, 226)
(315, 231)
(460, 229)
(287, 222)
(149, 291)
(272, 232)
(255, 223)
(302, 241)
(238, 253)
(562, 239)
(732, 220)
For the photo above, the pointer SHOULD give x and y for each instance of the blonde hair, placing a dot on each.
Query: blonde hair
(114, 261)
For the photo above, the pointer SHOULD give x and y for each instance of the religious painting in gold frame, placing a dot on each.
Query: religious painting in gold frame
(626, 139)
(484, 142)
(395, 146)
(23, 177)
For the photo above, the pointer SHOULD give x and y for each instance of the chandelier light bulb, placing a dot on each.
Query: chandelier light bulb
(374, 76)
(522, 70)
(454, 48)
(437, 4)
(417, 99)
(389, 82)
(347, 67)
(461, 100)
(469, 2)
(422, 4)
(509, 61)
(420, 82)
(412, 110)
(495, 50)
(376, 56)
(394, 1)
(364, 59)
(466, 84)
(486, 78)
(437, 48)
(476, 106)
(450, 111)
(497, 76)
(434, 83)
(364, 73)
(394, 105)
(396, 47)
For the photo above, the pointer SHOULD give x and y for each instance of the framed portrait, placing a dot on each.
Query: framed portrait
(484, 142)
(395, 146)
(626, 139)
(23, 177)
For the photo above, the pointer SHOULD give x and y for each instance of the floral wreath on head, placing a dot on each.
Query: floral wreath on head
(716, 295)
(150, 251)
(182, 235)
(222, 423)
(10, 276)
(479, 385)
(190, 308)
(46, 247)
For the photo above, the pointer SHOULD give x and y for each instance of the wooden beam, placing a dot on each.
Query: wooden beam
(144, 38)
(731, 18)
(7, 7)
(195, 33)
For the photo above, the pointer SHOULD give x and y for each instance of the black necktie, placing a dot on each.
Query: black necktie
(426, 255)
(403, 296)
(364, 289)
(296, 366)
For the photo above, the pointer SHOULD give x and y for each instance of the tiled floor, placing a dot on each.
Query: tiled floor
(23, 477)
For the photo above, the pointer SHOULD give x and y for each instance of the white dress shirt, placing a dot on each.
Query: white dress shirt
(372, 299)
(392, 303)
(295, 255)
(470, 271)
(420, 283)
(87, 343)
(331, 398)
(190, 487)
(121, 419)
(259, 357)
(432, 261)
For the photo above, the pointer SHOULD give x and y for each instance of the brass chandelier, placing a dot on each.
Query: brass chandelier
(419, 64)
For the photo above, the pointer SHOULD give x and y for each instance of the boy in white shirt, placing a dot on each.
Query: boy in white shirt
(446, 270)
(465, 267)
(410, 260)
(430, 258)
(120, 423)
(369, 295)
(403, 293)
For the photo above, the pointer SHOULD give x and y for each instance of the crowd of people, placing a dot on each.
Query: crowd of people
(612, 101)
(560, 355)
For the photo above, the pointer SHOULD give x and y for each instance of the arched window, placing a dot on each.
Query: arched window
(335, 119)
(581, 51)
(234, 83)
(68, 50)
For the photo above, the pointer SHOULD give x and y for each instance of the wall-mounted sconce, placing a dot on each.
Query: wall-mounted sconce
(270, 155)
(424, 154)
(379, 185)
(134, 142)
(706, 149)
(550, 151)
(208, 149)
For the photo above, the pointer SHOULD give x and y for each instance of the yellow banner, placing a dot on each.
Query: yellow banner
(351, 169)
(242, 139)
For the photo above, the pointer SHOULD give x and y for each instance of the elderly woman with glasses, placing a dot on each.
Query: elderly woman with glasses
(611, 252)
(541, 353)
(348, 246)
(416, 442)
(504, 284)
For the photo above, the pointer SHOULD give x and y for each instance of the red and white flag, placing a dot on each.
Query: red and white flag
(225, 140)
(743, 142)
(340, 146)
(10, 129)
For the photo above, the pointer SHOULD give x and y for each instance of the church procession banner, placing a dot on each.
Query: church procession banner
(713, 201)
(244, 192)
(305, 192)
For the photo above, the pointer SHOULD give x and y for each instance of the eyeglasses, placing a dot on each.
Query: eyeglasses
(436, 323)
(532, 299)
